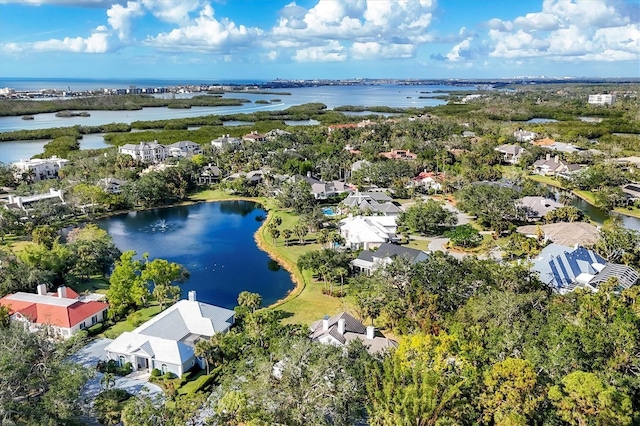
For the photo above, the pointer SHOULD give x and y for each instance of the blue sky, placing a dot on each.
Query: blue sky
(306, 39)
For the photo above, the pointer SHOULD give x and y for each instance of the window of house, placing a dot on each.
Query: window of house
(82, 325)
(94, 319)
(163, 368)
(121, 360)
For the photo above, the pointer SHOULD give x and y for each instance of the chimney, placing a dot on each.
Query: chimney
(62, 292)
(192, 296)
(42, 289)
(341, 323)
(308, 173)
(548, 157)
(371, 332)
(325, 323)
(556, 159)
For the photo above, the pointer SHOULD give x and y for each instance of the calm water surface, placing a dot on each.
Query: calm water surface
(215, 241)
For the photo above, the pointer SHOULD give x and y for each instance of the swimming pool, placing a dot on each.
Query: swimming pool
(328, 211)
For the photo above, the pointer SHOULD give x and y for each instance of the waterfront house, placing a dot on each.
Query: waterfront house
(322, 190)
(167, 341)
(111, 185)
(22, 202)
(38, 169)
(368, 261)
(632, 191)
(537, 207)
(368, 232)
(343, 328)
(146, 152)
(65, 312)
(209, 174)
(184, 149)
(564, 233)
(524, 135)
(226, 142)
(254, 136)
(602, 99)
(555, 167)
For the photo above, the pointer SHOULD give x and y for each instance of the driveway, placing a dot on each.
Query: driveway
(89, 357)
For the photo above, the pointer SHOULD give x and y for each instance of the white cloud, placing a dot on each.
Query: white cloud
(330, 52)
(455, 54)
(119, 17)
(207, 34)
(366, 29)
(584, 30)
(97, 42)
(173, 11)
(374, 50)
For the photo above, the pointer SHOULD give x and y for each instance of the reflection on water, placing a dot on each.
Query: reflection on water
(214, 241)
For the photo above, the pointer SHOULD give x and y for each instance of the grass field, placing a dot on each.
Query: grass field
(124, 325)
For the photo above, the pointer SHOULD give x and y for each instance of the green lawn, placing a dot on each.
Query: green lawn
(418, 244)
(124, 325)
(97, 284)
(548, 180)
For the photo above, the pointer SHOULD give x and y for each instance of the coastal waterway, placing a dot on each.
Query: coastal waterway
(214, 241)
(400, 96)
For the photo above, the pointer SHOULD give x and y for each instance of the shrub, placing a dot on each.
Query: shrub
(155, 373)
(168, 375)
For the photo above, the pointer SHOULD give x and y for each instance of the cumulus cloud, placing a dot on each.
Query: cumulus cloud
(173, 11)
(207, 34)
(584, 30)
(330, 52)
(364, 29)
(457, 52)
(119, 17)
(97, 42)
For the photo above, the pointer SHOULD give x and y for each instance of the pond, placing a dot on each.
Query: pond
(214, 241)
(597, 214)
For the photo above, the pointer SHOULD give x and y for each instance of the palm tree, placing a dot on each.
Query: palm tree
(108, 380)
(341, 272)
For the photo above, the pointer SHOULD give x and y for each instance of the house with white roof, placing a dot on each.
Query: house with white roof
(167, 341)
(184, 149)
(368, 232)
(524, 135)
(226, 142)
(341, 329)
(537, 207)
(147, 152)
(38, 169)
(64, 311)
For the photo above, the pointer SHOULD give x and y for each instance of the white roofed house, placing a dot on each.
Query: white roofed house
(537, 207)
(368, 232)
(38, 169)
(226, 142)
(146, 152)
(524, 135)
(184, 149)
(167, 341)
(341, 329)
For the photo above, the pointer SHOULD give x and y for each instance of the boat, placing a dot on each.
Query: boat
(28, 117)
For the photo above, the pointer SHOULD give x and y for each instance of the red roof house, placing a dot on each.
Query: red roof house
(64, 311)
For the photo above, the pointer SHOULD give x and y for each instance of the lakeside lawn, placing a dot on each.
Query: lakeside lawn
(123, 325)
